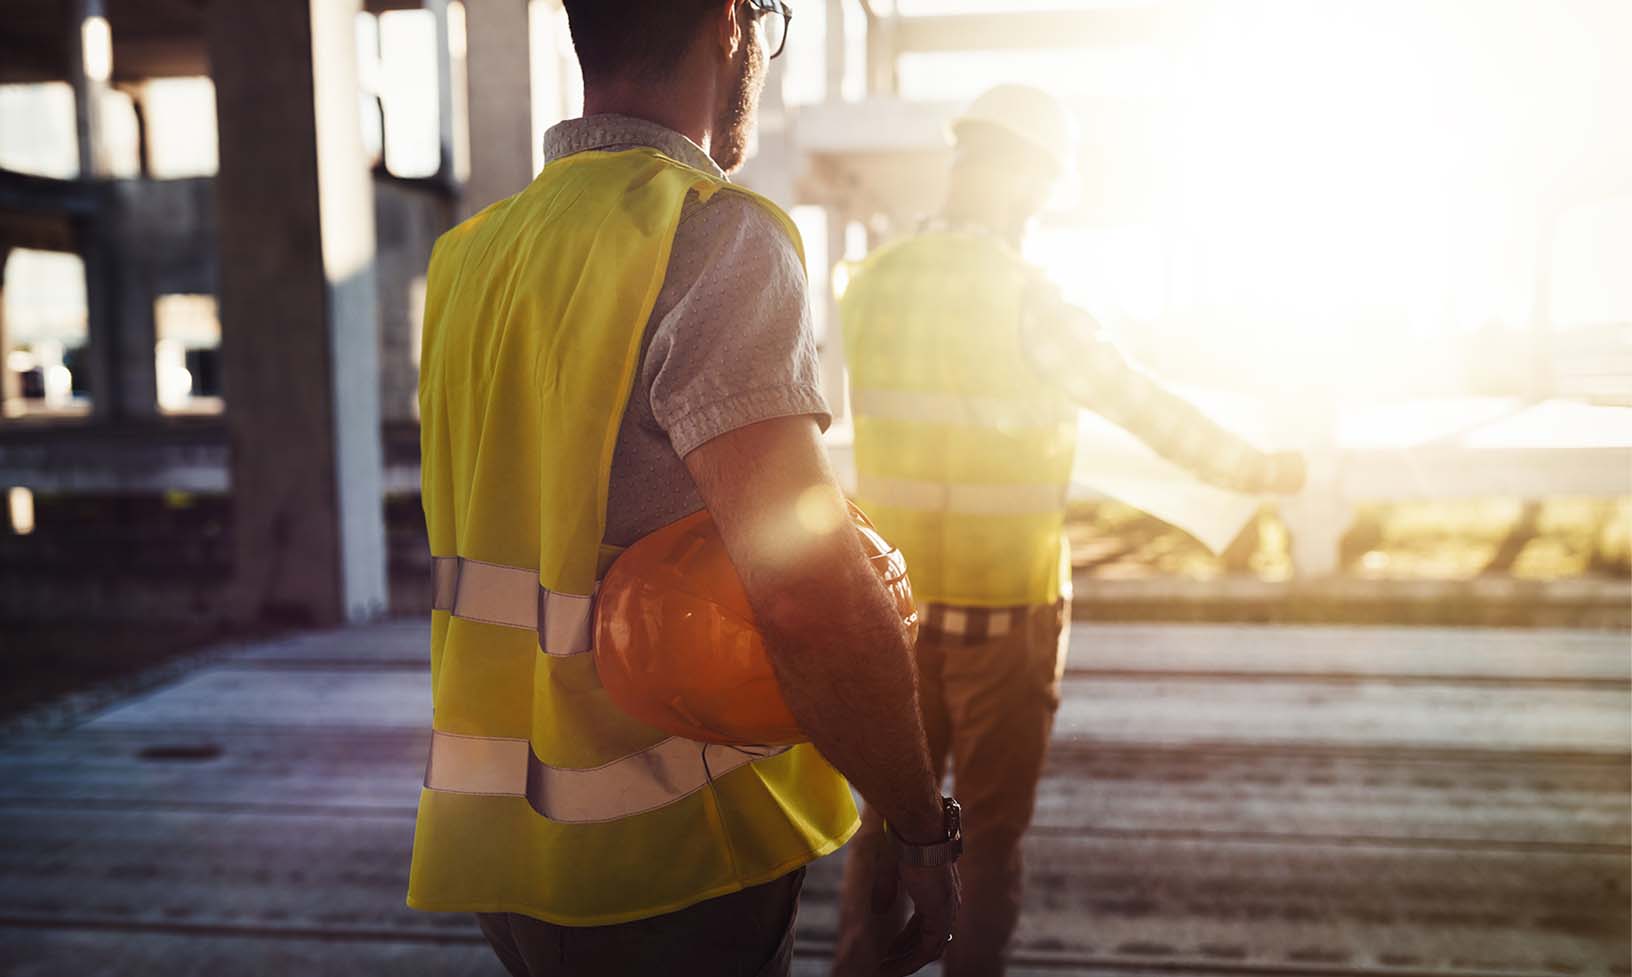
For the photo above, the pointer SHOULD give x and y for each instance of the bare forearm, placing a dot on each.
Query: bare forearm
(846, 671)
(1069, 347)
(836, 641)
(1180, 432)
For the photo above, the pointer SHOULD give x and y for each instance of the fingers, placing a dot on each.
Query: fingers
(915, 948)
(936, 899)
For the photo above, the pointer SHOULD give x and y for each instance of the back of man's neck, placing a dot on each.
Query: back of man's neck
(638, 102)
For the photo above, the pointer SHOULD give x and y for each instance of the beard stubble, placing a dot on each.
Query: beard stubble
(734, 123)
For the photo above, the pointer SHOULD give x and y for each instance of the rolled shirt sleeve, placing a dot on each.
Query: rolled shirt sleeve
(737, 347)
(1069, 348)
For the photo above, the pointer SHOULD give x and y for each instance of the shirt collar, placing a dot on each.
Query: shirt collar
(609, 131)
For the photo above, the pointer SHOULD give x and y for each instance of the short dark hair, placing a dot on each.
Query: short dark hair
(633, 38)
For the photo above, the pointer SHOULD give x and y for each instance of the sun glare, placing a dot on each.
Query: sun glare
(1342, 194)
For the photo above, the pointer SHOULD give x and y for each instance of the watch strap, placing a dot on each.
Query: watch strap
(943, 852)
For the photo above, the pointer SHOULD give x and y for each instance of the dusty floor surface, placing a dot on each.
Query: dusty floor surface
(1219, 801)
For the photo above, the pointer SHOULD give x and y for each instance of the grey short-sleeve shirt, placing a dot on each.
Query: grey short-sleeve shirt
(729, 342)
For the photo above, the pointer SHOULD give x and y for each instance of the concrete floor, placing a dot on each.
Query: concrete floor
(1219, 801)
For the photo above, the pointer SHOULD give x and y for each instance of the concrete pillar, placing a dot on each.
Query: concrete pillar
(300, 320)
(104, 343)
(124, 332)
(144, 134)
(835, 59)
(10, 383)
(832, 352)
(451, 166)
(500, 110)
(135, 392)
(1317, 517)
(1541, 380)
(90, 64)
(881, 55)
(821, 285)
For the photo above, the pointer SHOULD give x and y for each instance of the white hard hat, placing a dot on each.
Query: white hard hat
(1031, 115)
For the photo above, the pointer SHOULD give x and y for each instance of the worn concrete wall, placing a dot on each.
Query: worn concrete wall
(408, 218)
(162, 235)
(299, 312)
(500, 103)
(9, 382)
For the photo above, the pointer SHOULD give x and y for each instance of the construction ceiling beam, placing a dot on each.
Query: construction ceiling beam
(1032, 31)
(40, 232)
(28, 194)
(137, 59)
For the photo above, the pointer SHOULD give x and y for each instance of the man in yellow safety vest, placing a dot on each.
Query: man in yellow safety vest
(621, 344)
(967, 371)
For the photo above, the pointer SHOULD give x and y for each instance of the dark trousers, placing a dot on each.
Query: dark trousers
(744, 934)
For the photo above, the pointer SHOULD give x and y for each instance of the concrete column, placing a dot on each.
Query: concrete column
(300, 320)
(1317, 517)
(821, 285)
(835, 52)
(10, 385)
(500, 113)
(105, 344)
(1541, 380)
(123, 329)
(449, 169)
(135, 392)
(881, 54)
(90, 64)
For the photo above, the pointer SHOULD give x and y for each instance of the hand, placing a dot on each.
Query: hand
(1287, 472)
(936, 895)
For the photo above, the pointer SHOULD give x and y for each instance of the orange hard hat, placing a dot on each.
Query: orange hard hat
(676, 645)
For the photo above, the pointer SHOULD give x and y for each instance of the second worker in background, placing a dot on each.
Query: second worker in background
(967, 370)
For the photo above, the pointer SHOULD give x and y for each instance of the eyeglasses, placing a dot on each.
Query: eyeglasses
(773, 17)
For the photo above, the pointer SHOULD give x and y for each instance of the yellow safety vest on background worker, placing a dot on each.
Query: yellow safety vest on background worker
(963, 456)
(540, 796)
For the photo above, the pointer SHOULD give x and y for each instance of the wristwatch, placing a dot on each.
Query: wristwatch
(943, 852)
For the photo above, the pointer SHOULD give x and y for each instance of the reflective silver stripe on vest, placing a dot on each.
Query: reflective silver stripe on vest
(966, 500)
(937, 408)
(511, 597)
(641, 782)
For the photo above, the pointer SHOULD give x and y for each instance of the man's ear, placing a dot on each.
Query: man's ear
(730, 27)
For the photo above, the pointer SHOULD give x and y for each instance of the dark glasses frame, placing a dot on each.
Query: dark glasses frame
(765, 8)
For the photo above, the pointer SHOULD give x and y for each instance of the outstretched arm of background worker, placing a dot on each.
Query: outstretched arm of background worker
(835, 638)
(1068, 347)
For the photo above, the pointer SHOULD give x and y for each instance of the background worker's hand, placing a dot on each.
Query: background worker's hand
(936, 895)
(1288, 472)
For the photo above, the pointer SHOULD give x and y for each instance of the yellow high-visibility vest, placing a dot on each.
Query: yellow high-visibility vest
(541, 797)
(963, 456)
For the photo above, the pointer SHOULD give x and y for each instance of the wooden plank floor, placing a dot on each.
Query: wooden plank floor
(1220, 800)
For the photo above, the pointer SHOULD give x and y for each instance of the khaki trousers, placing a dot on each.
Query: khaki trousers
(988, 704)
